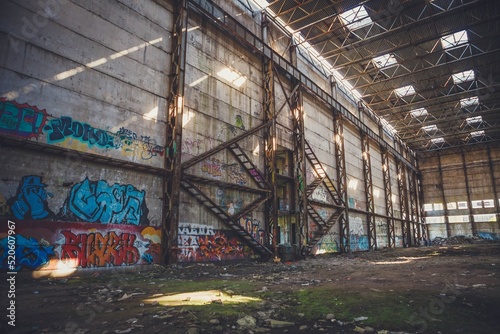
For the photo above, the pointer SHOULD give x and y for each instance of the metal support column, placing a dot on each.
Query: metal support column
(424, 228)
(494, 185)
(443, 197)
(368, 180)
(469, 199)
(403, 203)
(270, 142)
(300, 166)
(170, 225)
(412, 191)
(345, 245)
(389, 208)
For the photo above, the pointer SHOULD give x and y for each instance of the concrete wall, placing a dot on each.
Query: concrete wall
(88, 82)
(461, 200)
(83, 77)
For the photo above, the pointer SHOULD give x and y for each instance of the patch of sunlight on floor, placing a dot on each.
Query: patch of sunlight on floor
(401, 260)
(201, 298)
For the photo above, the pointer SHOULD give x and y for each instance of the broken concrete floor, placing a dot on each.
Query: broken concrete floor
(436, 289)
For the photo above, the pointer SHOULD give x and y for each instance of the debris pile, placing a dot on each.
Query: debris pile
(460, 240)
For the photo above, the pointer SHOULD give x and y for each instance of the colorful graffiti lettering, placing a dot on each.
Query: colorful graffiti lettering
(256, 175)
(61, 128)
(239, 122)
(212, 167)
(29, 253)
(252, 226)
(150, 149)
(97, 250)
(320, 194)
(21, 120)
(202, 243)
(97, 201)
(30, 200)
(237, 174)
(219, 247)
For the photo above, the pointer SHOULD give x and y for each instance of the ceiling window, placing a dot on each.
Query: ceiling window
(463, 77)
(437, 140)
(449, 41)
(419, 112)
(430, 128)
(356, 18)
(477, 133)
(474, 120)
(384, 60)
(469, 101)
(404, 91)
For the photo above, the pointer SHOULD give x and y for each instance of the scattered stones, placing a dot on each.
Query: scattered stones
(279, 323)
(330, 316)
(247, 322)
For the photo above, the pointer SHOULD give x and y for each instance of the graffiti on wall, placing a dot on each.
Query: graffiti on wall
(21, 120)
(253, 227)
(97, 201)
(25, 121)
(198, 242)
(29, 253)
(30, 201)
(61, 128)
(215, 168)
(358, 236)
(80, 245)
(87, 201)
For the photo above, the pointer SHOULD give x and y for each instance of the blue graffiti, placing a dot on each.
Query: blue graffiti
(359, 242)
(29, 253)
(31, 199)
(96, 201)
(61, 128)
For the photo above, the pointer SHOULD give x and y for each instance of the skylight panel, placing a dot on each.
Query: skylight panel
(405, 91)
(437, 140)
(474, 120)
(430, 128)
(419, 112)
(356, 18)
(469, 101)
(454, 39)
(463, 76)
(384, 60)
(477, 133)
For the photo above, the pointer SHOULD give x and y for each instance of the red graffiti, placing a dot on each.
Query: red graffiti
(219, 247)
(97, 250)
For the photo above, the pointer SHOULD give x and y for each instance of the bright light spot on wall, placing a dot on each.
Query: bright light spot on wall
(187, 116)
(231, 76)
(256, 151)
(376, 193)
(197, 81)
(201, 298)
(353, 184)
(152, 114)
(92, 64)
(405, 91)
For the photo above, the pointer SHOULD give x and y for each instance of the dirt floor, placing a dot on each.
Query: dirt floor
(435, 289)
